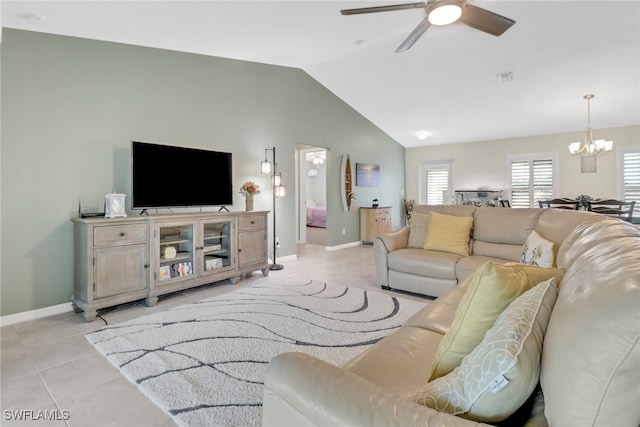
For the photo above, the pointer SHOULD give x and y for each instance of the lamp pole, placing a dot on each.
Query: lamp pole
(276, 183)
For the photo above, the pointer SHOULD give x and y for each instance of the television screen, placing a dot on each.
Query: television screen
(164, 176)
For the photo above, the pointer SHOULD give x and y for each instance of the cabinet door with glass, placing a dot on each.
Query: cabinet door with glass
(175, 252)
(216, 252)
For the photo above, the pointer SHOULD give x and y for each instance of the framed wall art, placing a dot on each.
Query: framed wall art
(367, 175)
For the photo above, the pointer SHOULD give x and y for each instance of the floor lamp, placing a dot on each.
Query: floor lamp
(279, 190)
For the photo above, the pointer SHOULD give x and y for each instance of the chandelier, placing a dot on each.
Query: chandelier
(589, 149)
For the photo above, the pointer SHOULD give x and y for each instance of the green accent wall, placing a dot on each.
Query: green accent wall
(71, 106)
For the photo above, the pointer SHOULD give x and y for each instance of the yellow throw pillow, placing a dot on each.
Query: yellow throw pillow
(538, 251)
(500, 374)
(493, 287)
(448, 233)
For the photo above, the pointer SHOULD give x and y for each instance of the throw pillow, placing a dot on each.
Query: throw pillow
(493, 287)
(538, 251)
(418, 230)
(448, 233)
(499, 375)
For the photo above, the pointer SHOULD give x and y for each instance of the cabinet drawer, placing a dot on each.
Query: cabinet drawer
(251, 221)
(382, 212)
(119, 234)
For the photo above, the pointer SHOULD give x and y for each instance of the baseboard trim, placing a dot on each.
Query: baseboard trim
(344, 246)
(287, 258)
(25, 316)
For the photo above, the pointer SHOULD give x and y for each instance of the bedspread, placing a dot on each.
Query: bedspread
(317, 216)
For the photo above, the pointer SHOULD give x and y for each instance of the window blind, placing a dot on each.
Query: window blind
(631, 179)
(437, 184)
(531, 181)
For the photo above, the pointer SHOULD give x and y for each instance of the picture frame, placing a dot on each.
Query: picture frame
(367, 175)
(165, 272)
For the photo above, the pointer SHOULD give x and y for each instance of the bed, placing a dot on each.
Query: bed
(316, 215)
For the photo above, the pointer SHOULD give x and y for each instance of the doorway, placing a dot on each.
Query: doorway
(311, 195)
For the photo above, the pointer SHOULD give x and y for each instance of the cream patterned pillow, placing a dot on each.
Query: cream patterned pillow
(538, 251)
(418, 230)
(499, 375)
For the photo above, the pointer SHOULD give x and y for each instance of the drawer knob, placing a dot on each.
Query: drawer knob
(122, 234)
(253, 222)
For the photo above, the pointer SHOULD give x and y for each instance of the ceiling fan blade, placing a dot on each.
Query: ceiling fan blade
(414, 36)
(382, 8)
(485, 20)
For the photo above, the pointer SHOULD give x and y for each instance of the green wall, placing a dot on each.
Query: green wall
(70, 108)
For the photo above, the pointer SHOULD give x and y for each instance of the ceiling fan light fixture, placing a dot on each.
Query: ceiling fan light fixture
(445, 12)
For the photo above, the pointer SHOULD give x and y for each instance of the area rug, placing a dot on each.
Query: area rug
(204, 363)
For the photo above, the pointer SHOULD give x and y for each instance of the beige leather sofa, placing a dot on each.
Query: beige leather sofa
(498, 235)
(590, 363)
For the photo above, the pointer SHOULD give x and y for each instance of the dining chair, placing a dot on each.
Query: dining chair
(614, 208)
(561, 203)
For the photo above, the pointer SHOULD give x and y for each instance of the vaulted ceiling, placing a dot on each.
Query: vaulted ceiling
(447, 84)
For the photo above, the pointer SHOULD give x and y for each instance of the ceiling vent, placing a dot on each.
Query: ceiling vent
(505, 77)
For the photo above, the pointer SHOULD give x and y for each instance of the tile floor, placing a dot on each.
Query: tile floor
(48, 365)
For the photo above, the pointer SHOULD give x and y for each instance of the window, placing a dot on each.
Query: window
(435, 182)
(532, 177)
(629, 158)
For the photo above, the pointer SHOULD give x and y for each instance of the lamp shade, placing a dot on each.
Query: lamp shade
(265, 167)
(280, 191)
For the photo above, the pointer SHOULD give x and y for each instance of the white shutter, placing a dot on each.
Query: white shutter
(437, 184)
(542, 180)
(520, 179)
(631, 179)
(532, 179)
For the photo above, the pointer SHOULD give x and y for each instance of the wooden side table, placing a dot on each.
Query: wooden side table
(374, 221)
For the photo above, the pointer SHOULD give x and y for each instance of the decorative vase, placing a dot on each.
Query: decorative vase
(249, 203)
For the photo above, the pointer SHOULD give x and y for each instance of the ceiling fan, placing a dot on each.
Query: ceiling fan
(444, 12)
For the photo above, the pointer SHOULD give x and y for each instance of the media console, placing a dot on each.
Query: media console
(121, 260)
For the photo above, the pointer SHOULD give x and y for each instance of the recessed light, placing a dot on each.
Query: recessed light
(422, 135)
(36, 19)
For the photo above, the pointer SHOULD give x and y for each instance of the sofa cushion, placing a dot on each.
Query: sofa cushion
(418, 230)
(493, 287)
(424, 263)
(538, 251)
(506, 251)
(556, 224)
(591, 357)
(391, 362)
(500, 374)
(468, 265)
(438, 315)
(504, 226)
(448, 233)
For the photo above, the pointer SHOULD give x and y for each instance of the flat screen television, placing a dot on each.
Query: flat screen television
(165, 176)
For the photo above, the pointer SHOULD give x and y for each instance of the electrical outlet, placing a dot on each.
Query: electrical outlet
(277, 242)
(344, 231)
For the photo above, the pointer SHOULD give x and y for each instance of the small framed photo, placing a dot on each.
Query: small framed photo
(165, 272)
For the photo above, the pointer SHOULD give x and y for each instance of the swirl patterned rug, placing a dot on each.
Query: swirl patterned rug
(203, 363)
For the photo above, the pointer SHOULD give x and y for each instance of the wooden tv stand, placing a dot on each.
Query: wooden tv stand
(121, 260)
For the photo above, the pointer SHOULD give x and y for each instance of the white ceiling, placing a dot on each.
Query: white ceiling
(446, 84)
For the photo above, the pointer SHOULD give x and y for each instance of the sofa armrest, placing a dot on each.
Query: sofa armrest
(382, 245)
(300, 389)
(396, 240)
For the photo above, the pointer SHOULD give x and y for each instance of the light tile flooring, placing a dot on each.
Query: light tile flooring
(48, 365)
